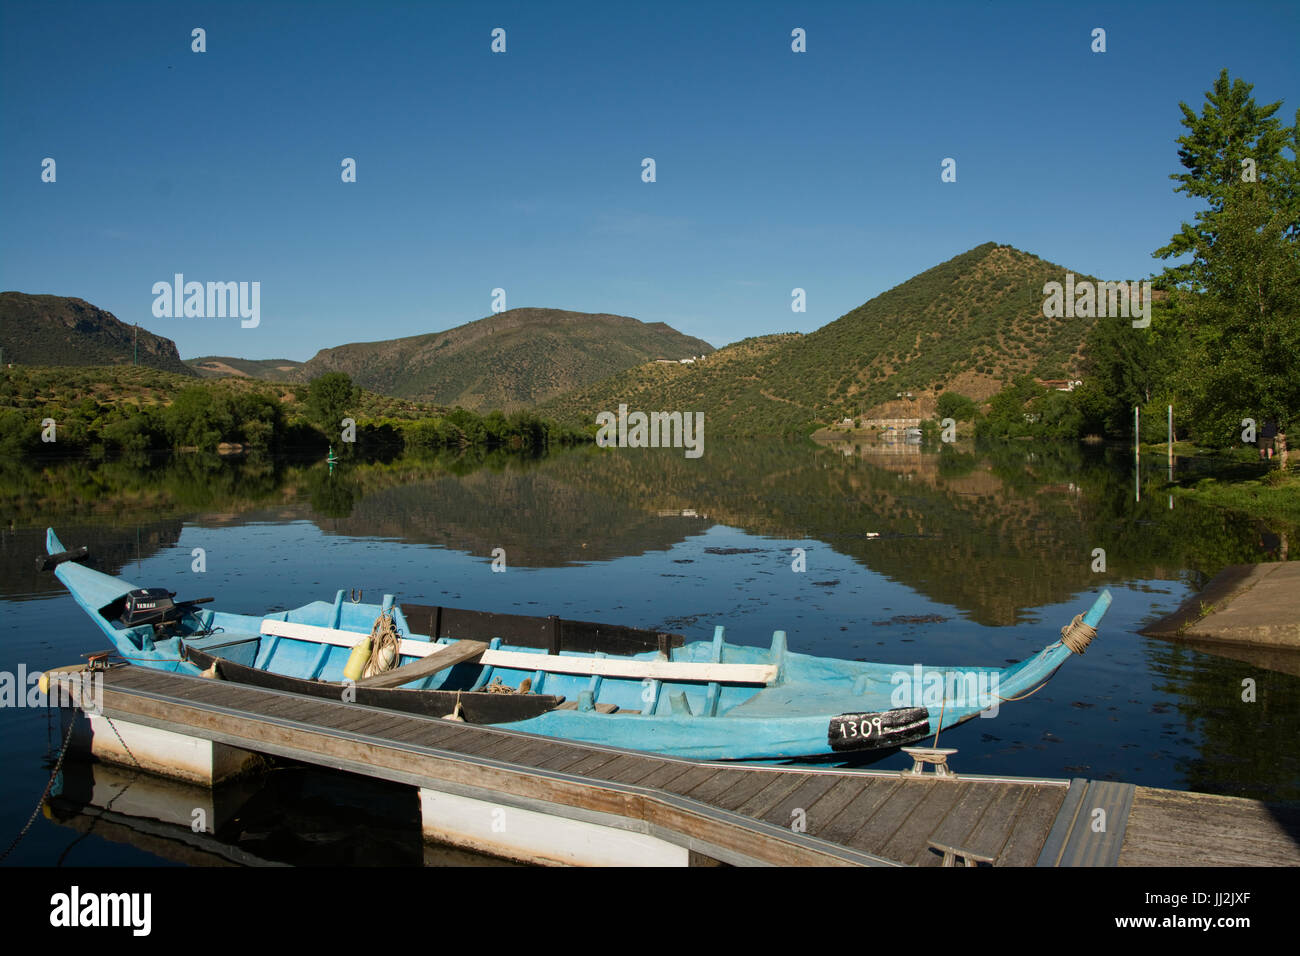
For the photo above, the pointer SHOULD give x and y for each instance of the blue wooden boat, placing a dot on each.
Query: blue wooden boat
(573, 680)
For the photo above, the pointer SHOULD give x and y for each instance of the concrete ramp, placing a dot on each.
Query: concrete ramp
(1255, 604)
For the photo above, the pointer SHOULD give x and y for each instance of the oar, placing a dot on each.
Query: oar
(425, 666)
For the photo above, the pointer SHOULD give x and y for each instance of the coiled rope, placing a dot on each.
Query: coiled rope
(496, 687)
(1076, 635)
(385, 645)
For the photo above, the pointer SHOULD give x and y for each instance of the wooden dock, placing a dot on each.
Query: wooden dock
(534, 798)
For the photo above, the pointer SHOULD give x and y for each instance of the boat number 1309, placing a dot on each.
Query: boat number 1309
(853, 728)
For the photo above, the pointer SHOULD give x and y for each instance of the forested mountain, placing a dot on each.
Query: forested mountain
(510, 360)
(970, 325)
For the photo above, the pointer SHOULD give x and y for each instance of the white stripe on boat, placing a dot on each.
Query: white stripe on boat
(550, 663)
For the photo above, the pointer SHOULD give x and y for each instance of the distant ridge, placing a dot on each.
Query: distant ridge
(510, 360)
(969, 325)
(60, 330)
(270, 370)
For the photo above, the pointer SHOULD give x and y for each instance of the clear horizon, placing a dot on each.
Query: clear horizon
(522, 170)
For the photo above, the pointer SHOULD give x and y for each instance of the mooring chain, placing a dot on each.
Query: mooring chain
(122, 742)
(96, 817)
(58, 768)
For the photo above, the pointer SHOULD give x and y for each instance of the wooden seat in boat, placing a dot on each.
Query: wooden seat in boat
(703, 671)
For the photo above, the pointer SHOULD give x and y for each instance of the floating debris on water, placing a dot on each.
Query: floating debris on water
(911, 619)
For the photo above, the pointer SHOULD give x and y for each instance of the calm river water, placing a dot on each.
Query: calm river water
(911, 556)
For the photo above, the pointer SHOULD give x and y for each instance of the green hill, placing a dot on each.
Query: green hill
(969, 325)
(270, 370)
(731, 386)
(59, 330)
(507, 361)
(33, 389)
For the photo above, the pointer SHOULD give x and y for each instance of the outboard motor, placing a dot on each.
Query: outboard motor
(147, 606)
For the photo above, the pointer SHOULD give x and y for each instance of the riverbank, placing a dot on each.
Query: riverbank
(1257, 604)
(1275, 496)
(53, 411)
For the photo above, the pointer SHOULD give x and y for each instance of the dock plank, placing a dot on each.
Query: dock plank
(784, 813)
(870, 813)
(563, 759)
(138, 678)
(959, 822)
(520, 751)
(385, 726)
(590, 765)
(541, 753)
(751, 783)
(777, 789)
(914, 833)
(692, 778)
(1034, 822)
(203, 688)
(343, 716)
(195, 690)
(627, 764)
(711, 788)
(996, 822)
(236, 698)
(476, 739)
(828, 806)
(494, 748)
(285, 708)
(638, 768)
(1174, 828)
(667, 772)
(443, 735)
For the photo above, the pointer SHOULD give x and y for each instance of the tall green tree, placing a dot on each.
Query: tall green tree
(1237, 300)
(1123, 367)
(957, 406)
(329, 399)
(1242, 357)
(198, 418)
(1234, 142)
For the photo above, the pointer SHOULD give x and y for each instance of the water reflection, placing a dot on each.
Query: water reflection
(994, 533)
(949, 555)
(291, 815)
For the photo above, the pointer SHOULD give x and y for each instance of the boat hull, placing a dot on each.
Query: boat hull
(476, 707)
(805, 707)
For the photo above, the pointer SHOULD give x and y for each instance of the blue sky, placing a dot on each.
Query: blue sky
(522, 170)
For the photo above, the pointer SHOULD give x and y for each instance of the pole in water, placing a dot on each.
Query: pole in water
(1171, 447)
(1137, 453)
